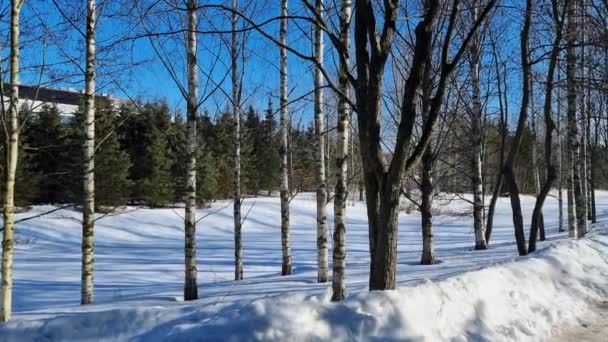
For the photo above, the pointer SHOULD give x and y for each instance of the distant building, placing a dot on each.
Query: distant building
(66, 100)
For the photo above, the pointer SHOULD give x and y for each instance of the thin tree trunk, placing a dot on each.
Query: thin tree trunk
(560, 177)
(535, 170)
(583, 119)
(238, 243)
(283, 149)
(191, 287)
(476, 162)
(341, 192)
(573, 138)
(426, 214)
(537, 215)
(322, 258)
(88, 207)
(11, 168)
(503, 105)
(510, 180)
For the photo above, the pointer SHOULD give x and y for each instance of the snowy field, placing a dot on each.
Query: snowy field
(490, 295)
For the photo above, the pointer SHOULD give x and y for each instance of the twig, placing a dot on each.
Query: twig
(114, 213)
(213, 212)
(247, 214)
(41, 214)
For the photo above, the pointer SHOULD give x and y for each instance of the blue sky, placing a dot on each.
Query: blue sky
(149, 79)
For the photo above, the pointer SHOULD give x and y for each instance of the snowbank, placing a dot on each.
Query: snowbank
(520, 300)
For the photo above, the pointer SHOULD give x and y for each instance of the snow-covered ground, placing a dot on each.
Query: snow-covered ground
(489, 295)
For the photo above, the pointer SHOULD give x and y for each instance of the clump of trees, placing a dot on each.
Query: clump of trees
(141, 151)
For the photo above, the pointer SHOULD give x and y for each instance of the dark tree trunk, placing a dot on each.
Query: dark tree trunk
(537, 216)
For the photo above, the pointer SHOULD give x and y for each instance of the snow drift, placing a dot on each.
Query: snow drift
(520, 300)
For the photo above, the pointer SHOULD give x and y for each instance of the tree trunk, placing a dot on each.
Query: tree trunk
(518, 223)
(11, 168)
(341, 191)
(426, 200)
(537, 216)
(573, 139)
(88, 206)
(322, 258)
(540, 228)
(560, 177)
(503, 105)
(476, 162)
(238, 243)
(191, 287)
(283, 149)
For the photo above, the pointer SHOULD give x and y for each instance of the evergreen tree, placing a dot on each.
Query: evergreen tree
(207, 168)
(112, 184)
(252, 152)
(45, 139)
(269, 154)
(145, 138)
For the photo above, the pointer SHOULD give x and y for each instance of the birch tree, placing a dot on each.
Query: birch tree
(341, 191)
(190, 287)
(577, 212)
(321, 180)
(88, 207)
(238, 244)
(476, 140)
(284, 123)
(12, 134)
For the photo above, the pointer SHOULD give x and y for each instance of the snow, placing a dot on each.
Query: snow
(490, 295)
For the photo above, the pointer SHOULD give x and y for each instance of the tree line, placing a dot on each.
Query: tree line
(140, 159)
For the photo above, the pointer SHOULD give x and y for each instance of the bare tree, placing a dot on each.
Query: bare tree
(88, 207)
(12, 130)
(501, 86)
(550, 127)
(518, 224)
(341, 190)
(238, 244)
(574, 178)
(283, 149)
(322, 262)
(383, 179)
(476, 139)
(190, 287)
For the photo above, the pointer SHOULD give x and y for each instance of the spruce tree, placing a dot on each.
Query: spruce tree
(112, 185)
(45, 139)
(269, 159)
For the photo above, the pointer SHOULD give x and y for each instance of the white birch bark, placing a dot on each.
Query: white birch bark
(283, 148)
(322, 262)
(11, 168)
(476, 161)
(560, 196)
(190, 286)
(573, 139)
(88, 206)
(238, 243)
(341, 191)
